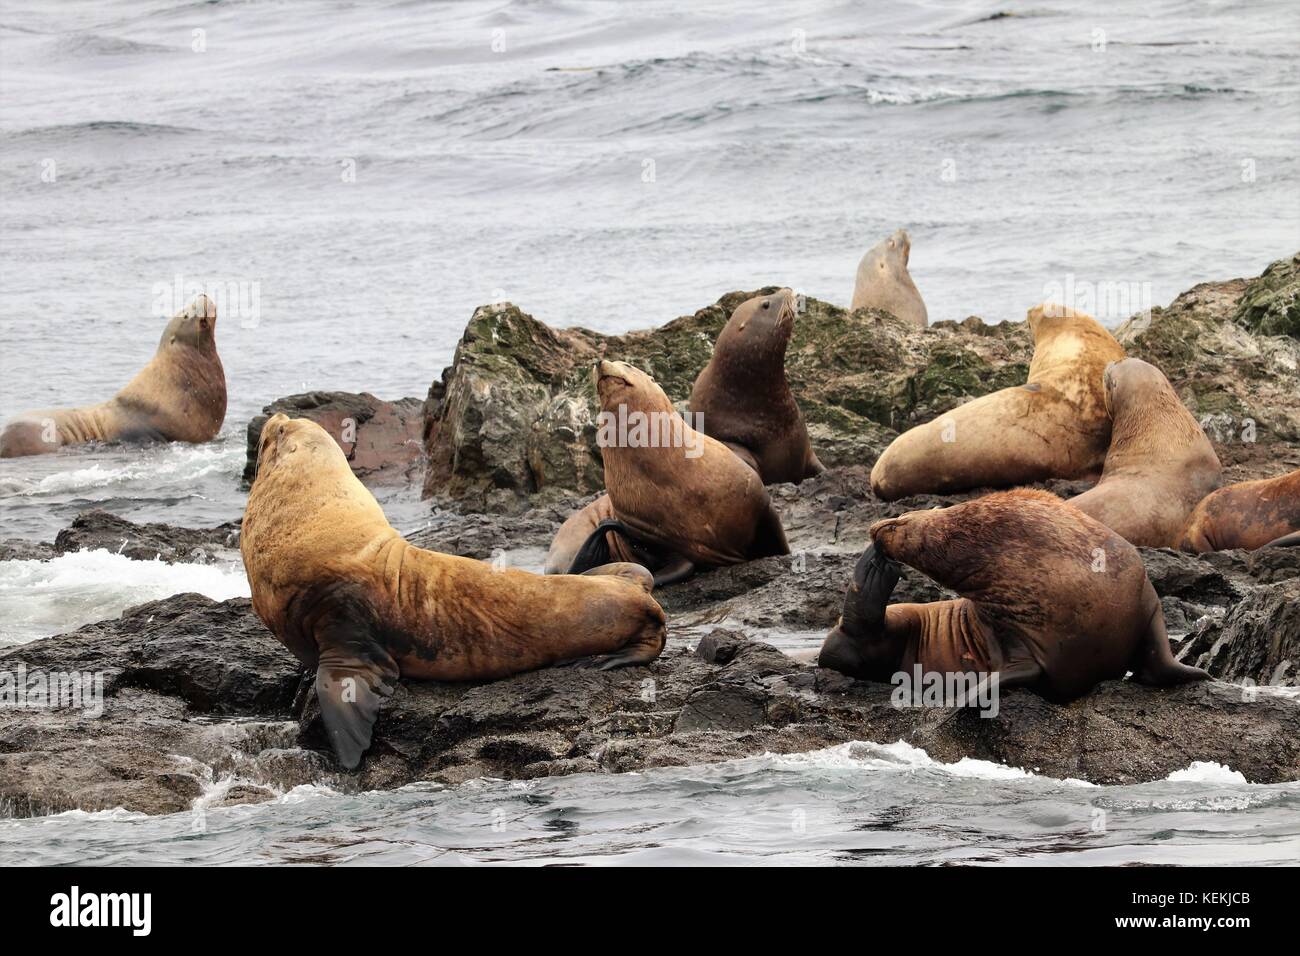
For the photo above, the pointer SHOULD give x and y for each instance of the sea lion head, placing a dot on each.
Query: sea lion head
(1052, 316)
(1130, 380)
(967, 546)
(760, 328)
(195, 326)
(618, 383)
(890, 255)
(286, 439)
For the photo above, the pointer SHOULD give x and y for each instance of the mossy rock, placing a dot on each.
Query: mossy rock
(1271, 304)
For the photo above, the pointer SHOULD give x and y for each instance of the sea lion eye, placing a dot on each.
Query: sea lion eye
(765, 303)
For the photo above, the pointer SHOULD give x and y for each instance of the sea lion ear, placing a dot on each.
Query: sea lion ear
(354, 671)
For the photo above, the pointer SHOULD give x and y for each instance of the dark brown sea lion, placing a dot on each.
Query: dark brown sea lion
(180, 395)
(883, 281)
(1053, 426)
(1050, 599)
(1251, 514)
(342, 590)
(1160, 464)
(679, 502)
(742, 398)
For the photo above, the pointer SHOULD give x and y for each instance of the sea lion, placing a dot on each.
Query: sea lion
(1053, 426)
(679, 500)
(883, 281)
(347, 595)
(742, 398)
(1160, 464)
(1250, 514)
(1050, 599)
(180, 395)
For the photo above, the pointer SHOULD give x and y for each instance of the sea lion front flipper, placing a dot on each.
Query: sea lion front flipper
(595, 550)
(677, 568)
(1154, 663)
(351, 676)
(769, 535)
(1291, 540)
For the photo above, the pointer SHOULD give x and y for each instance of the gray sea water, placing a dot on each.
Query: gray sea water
(361, 176)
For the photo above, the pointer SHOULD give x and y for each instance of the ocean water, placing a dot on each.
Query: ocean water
(356, 178)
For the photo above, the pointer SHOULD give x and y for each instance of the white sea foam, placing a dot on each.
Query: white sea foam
(1203, 771)
(39, 598)
(173, 463)
(902, 756)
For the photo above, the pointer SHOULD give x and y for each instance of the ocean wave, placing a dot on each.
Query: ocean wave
(96, 130)
(177, 462)
(902, 756)
(40, 598)
(1201, 771)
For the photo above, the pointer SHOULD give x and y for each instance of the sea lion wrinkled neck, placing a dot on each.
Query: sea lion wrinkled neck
(1147, 418)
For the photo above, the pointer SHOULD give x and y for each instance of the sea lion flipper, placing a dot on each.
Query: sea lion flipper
(350, 679)
(595, 551)
(769, 535)
(1291, 540)
(874, 580)
(677, 568)
(1154, 661)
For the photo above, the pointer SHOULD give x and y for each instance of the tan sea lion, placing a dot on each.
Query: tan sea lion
(742, 397)
(180, 395)
(1053, 426)
(1160, 464)
(342, 590)
(883, 281)
(1050, 599)
(680, 500)
(1250, 514)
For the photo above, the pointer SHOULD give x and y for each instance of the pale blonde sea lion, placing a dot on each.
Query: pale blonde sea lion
(180, 395)
(1053, 426)
(883, 281)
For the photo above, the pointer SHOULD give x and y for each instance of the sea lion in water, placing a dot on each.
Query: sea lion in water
(1053, 426)
(1250, 514)
(342, 590)
(742, 397)
(1160, 464)
(883, 281)
(180, 395)
(1050, 599)
(677, 500)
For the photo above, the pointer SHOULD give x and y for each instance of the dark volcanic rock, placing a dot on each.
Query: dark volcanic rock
(1257, 640)
(382, 440)
(145, 542)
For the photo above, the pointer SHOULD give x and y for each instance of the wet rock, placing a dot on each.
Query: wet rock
(18, 549)
(515, 414)
(382, 440)
(1271, 302)
(1258, 639)
(146, 542)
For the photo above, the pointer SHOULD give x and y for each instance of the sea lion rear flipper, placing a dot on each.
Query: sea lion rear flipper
(1291, 540)
(351, 676)
(1154, 663)
(862, 620)
(678, 568)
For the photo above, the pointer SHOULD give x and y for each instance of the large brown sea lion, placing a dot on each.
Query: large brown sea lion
(342, 590)
(180, 395)
(677, 499)
(1053, 426)
(1160, 464)
(1250, 514)
(883, 281)
(742, 398)
(1050, 599)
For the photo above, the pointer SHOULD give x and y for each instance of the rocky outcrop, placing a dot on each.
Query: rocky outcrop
(382, 440)
(201, 705)
(1271, 304)
(1257, 640)
(515, 414)
(146, 542)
